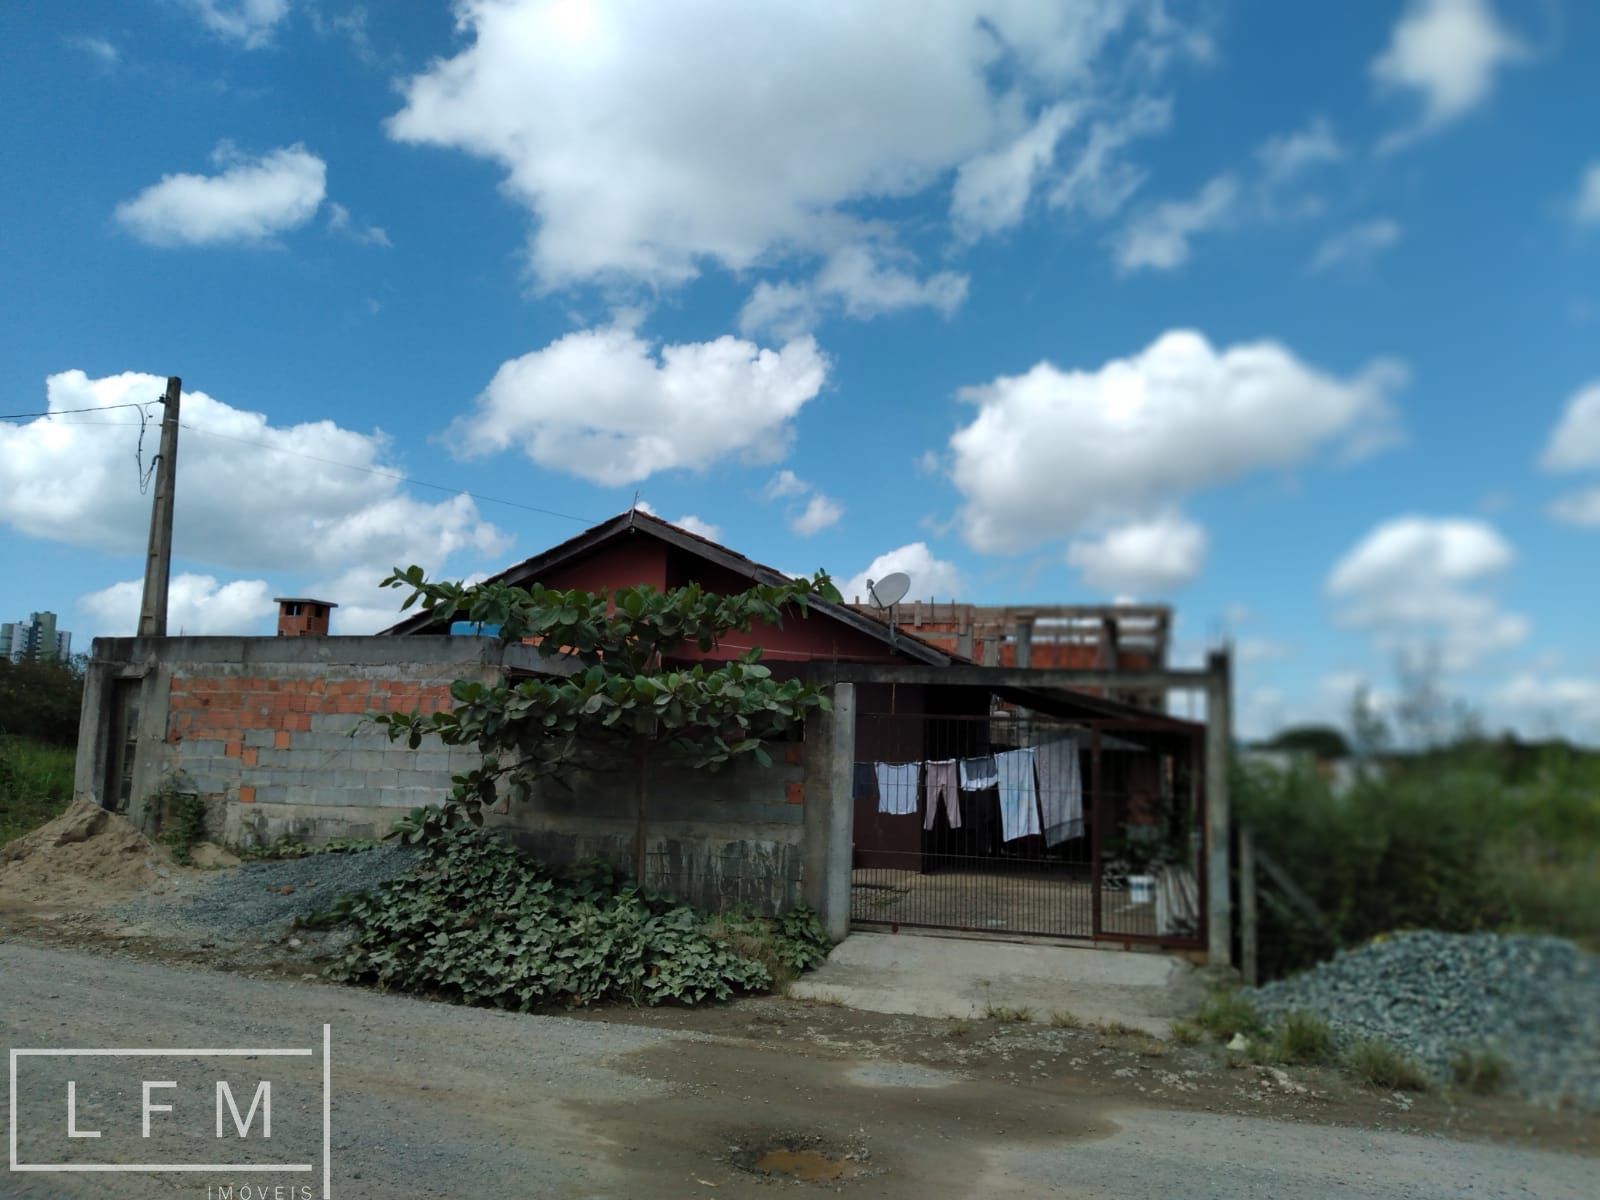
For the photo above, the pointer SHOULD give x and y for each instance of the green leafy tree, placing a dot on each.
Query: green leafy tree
(40, 698)
(626, 704)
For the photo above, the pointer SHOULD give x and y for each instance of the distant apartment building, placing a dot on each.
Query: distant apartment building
(37, 637)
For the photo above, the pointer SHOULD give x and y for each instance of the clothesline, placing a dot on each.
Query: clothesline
(1039, 789)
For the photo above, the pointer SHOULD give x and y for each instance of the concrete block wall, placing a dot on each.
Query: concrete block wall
(713, 839)
(284, 753)
(269, 731)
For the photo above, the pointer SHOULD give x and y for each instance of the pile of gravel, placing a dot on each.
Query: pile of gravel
(1535, 1001)
(259, 901)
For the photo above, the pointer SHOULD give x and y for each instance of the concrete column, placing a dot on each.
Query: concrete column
(1024, 641)
(830, 811)
(1219, 817)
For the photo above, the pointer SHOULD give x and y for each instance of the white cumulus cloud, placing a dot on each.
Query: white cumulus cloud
(931, 578)
(819, 513)
(1447, 53)
(1144, 558)
(649, 141)
(249, 200)
(1419, 584)
(197, 606)
(605, 405)
(250, 495)
(1054, 451)
(860, 281)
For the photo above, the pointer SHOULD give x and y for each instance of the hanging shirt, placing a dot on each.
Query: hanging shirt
(978, 774)
(940, 782)
(897, 788)
(1019, 807)
(1060, 790)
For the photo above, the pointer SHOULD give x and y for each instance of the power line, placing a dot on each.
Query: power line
(395, 475)
(61, 412)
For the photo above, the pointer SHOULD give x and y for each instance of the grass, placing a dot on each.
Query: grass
(1305, 1038)
(35, 785)
(1383, 1066)
(1119, 1029)
(1225, 1014)
(1480, 1071)
(1062, 1019)
(1002, 1012)
(1186, 1033)
(1152, 1048)
(959, 1029)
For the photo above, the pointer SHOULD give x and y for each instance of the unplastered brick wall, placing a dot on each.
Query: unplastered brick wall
(283, 752)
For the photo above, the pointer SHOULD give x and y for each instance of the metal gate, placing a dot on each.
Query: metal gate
(1014, 821)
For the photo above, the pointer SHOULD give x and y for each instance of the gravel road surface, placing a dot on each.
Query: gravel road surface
(432, 1100)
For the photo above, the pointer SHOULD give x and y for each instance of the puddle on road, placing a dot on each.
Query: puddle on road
(899, 1075)
(809, 1166)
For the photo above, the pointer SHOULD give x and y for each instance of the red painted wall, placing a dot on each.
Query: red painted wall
(641, 559)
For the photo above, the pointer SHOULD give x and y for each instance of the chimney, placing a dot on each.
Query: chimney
(300, 617)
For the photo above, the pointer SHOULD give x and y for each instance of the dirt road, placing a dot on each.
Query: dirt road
(433, 1100)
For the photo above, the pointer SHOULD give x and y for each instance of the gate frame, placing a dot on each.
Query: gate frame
(835, 826)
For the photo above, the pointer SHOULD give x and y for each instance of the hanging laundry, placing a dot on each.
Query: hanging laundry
(1019, 807)
(940, 780)
(1060, 790)
(864, 785)
(897, 788)
(977, 774)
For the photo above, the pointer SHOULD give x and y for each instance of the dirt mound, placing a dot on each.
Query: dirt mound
(84, 858)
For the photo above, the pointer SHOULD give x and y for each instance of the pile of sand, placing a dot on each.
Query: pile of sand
(84, 858)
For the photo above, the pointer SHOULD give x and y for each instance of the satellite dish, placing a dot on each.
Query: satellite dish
(889, 590)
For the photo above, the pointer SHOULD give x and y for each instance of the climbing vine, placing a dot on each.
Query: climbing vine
(623, 702)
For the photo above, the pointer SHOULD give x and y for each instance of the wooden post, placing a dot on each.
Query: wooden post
(158, 559)
(1248, 965)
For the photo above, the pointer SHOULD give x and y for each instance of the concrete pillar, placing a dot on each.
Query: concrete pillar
(1219, 817)
(830, 811)
(1024, 641)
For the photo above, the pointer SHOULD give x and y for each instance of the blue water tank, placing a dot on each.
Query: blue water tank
(473, 629)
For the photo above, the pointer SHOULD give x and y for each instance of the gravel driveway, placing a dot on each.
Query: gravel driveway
(439, 1101)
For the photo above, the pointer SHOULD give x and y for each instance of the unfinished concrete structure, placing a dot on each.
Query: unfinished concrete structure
(1115, 637)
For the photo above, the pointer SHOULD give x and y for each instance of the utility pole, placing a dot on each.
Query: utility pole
(158, 561)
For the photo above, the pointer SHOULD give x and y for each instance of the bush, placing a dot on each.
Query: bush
(479, 924)
(1462, 840)
(1383, 1066)
(40, 699)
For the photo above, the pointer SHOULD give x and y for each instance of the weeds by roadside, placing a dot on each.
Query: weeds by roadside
(1003, 1012)
(1480, 1071)
(1226, 1014)
(1385, 1066)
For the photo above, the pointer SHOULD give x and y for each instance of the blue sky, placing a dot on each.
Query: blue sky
(1286, 314)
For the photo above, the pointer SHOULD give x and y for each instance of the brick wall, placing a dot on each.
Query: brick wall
(283, 753)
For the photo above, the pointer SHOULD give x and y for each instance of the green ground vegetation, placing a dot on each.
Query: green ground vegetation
(1473, 835)
(478, 923)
